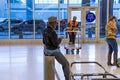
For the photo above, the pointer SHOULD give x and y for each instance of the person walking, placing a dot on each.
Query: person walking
(52, 48)
(111, 31)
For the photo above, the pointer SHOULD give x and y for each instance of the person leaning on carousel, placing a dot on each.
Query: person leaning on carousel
(111, 31)
(72, 25)
(51, 43)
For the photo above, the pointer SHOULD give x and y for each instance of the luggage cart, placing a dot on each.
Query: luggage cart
(88, 76)
(68, 46)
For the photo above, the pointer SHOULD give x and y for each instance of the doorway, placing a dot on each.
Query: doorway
(88, 19)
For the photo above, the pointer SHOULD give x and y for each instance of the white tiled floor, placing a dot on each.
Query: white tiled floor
(25, 62)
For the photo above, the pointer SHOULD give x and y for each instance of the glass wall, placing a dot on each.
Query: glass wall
(43, 10)
(63, 17)
(94, 2)
(116, 12)
(26, 19)
(4, 19)
(19, 13)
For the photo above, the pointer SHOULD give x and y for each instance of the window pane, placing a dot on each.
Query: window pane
(116, 12)
(75, 2)
(3, 19)
(63, 18)
(93, 2)
(22, 16)
(47, 1)
(23, 1)
(42, 13)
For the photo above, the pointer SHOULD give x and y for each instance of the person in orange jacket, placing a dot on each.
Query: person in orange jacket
(72, 25)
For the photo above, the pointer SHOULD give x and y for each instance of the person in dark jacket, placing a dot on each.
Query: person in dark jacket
(52, 48)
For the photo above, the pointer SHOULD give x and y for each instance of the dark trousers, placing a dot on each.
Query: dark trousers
(65, 64)
(112, 45)
(72, 37)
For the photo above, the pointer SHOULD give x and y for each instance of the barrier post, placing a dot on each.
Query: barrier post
(49, 61)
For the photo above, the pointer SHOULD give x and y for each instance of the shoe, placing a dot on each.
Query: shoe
(70, 43)
(115, 60)
(72, 51)
(110, 64)
(109, 60)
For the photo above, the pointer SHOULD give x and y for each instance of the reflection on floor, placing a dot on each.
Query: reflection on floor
(25, 62)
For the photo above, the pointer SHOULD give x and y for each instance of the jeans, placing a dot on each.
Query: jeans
(112, 45)
(72, 37)
(65, 64)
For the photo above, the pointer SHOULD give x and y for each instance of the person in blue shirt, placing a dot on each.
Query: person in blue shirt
(52, 48)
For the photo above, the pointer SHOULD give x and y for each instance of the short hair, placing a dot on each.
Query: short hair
(52, 19)
(74, 17)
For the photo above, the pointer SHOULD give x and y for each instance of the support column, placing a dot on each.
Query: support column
(61, 1)
(103, 11)
(111, 7)
(29, 9)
